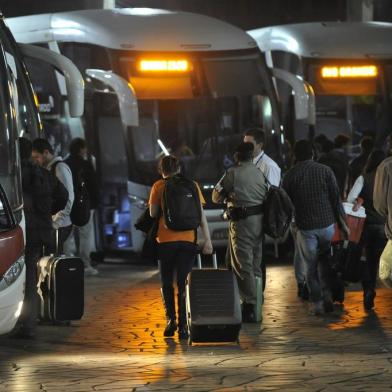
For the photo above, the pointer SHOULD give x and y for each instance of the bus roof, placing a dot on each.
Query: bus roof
(328, 39)
(143, 29)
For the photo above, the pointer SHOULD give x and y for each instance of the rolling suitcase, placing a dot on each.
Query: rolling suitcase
(213, 305)
(61, 288)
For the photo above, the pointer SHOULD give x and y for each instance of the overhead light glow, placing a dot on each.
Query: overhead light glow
(164, 65)
(361, 71)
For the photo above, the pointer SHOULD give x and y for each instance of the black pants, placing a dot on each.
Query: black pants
(176, 257)
(28, 316)
(39, 242)
(374, 242)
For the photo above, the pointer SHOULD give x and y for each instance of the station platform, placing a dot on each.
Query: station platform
(119, 345)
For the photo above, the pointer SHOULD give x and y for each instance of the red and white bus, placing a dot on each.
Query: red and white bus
(20, 117)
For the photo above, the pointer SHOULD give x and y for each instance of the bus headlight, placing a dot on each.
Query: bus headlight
(12, 274)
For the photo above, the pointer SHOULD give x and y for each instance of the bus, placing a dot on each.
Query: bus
(20, 117)
(349, 67)
(157, 82)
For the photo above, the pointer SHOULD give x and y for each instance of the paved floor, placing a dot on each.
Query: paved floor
(118, 346)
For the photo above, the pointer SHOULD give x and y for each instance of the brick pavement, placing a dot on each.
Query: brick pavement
(118, 346)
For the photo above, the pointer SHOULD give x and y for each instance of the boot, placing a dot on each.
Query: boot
(248, 313)
(168, 301)
(368, 299)
(182, 321)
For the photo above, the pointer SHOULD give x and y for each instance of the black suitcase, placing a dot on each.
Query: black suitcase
(61, 288)
(213, 305)
(347, 261)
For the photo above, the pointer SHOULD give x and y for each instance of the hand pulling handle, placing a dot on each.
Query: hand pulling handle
(214, 261)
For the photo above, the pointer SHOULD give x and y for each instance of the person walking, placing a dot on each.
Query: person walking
(357, 165)
(243, 187)
(177, 249)
(314, 192)
(268, 167)
(373, 238)
(337, 160)
(43, 155)
(382, 194)
(83, 175)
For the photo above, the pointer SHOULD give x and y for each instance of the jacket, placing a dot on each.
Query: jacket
(242, 185)
(313, 190)
(382, 193)
(37, 188)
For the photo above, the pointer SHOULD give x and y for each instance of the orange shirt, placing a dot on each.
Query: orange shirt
(165, 234)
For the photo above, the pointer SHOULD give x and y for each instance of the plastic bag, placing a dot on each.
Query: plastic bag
(385, 271)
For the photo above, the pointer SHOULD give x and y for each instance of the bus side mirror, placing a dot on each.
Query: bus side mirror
(125, 92)
(304, 101)
(73, 78)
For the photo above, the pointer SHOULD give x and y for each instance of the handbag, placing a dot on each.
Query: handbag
(150, 246)
(145, 222)
(385, 271)
(346, 261)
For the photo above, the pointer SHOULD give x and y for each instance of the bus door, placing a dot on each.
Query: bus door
(111, 111)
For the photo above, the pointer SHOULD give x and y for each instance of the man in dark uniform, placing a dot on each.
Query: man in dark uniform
(243, 188)
(38, 189)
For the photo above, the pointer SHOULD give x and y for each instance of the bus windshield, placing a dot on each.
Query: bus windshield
(202, 121)
(202, 132)
(356, 107)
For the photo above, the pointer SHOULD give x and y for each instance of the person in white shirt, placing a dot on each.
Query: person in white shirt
(43, 155)
(266, 164)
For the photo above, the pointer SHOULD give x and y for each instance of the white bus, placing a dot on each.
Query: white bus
(156, 82)
(349, 66)
(20, 117)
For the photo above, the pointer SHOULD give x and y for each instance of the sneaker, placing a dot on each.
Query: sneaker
(170, 329)
(91, 271)
(368, 299)
(316, 308)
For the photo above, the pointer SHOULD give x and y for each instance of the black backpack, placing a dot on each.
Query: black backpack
(59, 195)
(80, 212)
(181, 204)
(278, 212)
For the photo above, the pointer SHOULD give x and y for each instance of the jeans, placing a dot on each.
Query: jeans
(82, 238)
(375, 241)
(176, 257)
(312, 246)
(299, 264)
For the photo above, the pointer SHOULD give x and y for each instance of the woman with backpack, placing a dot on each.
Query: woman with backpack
(178, 204)
(373, 237)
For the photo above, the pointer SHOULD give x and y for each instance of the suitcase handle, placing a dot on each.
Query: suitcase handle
(214, 261)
